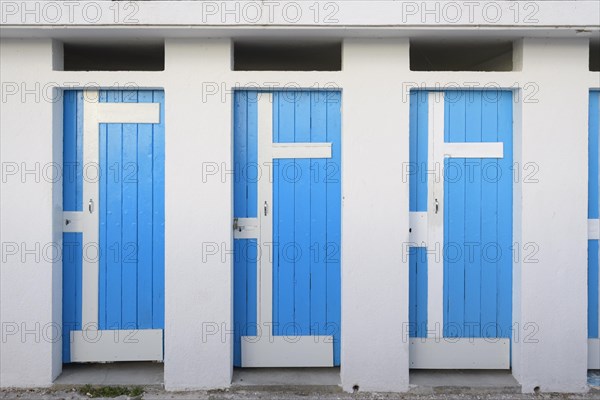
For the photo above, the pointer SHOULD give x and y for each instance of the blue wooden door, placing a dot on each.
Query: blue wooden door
(594, 231)
(461, 187)
(287, 199)
(113, 240)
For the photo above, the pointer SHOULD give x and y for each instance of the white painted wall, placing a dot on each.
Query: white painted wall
(375, 77)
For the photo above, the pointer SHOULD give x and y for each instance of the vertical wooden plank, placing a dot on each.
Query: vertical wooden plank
(113, 215)
(421, 295)
(70, 151)
(72, 263)
(472, 247)
(72, 194)
(144, 215)
(594, 155)
(505, 215)
(245, 205)
(252, 210)
(421, 205)
(239, 211)
(276, 166)
(318, 217)
(158, 210)
(413, 149)
(334, 201)
(454, 218)
(78, 257)
(69, 203)
(412, 292)
(593, 277)
(240, 151)
(102, 207)
(253, 170)
(593, 213)
(302, 217)
(129, 218)
(489, 219)
(285, 215)
(239, 298)
(239, 305)
(417, 327)
(422, 149)
(418, 202)
(412, 206)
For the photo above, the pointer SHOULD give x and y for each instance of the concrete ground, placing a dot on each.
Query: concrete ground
(113, 374)
(287, 384)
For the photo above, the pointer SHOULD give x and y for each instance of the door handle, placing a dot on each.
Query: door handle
(91, 206)
(437, 206)
(266, 208)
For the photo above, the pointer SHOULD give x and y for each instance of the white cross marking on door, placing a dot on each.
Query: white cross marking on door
(437, 152)
(267, 350)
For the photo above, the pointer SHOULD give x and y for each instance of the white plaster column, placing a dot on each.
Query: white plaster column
(550, 279)
(375, 145)
(198, 207)
(30, 215)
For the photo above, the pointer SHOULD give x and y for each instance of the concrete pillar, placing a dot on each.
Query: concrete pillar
(31, 216)
(550, 278)
(375, 215)
(198, 258)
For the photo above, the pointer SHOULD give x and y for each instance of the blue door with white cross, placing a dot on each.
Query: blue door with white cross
(460, 255)
(113, 225)
(594, 232)
(287, 199)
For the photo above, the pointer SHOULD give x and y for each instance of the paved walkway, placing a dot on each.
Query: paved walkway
(289, 384)
(296, 394)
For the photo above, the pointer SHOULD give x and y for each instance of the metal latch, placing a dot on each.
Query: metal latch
(236, 227)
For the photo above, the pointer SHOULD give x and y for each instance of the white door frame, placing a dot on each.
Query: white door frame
(92, 344)
(265, 349)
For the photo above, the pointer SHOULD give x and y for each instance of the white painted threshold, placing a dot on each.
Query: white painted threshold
(474, 150)
(287, 351)
(593, 229)
(459, 353)
(593, 353)
(301, 150)
(117, 345)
